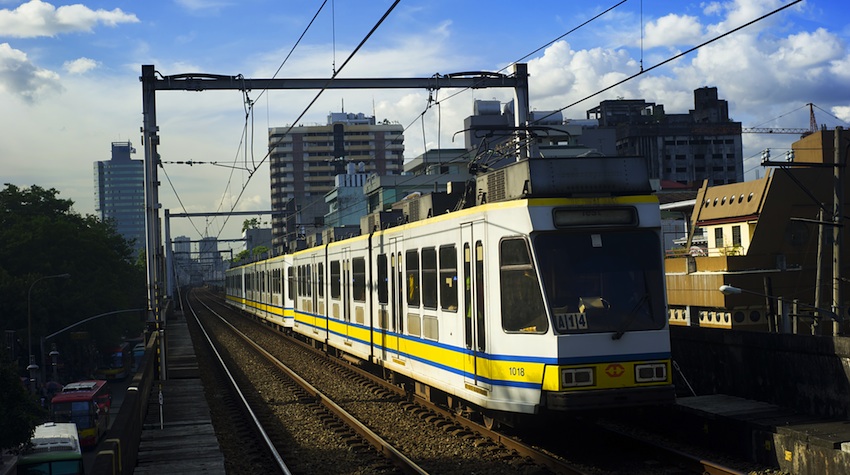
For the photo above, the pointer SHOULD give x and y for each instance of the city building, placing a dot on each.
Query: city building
(304, 161)
(704, 144)
(771, 239)
(120, 193)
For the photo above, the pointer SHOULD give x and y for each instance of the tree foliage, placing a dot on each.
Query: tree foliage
(19, 411)
(41, 235)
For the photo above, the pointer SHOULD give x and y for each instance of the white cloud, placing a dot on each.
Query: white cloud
(21, 78)
(204, 6)
(36, 18)
(80, 65)
(805, 49)
(842, 112)
(673, 30)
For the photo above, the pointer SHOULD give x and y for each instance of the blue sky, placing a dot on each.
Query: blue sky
(69, 76)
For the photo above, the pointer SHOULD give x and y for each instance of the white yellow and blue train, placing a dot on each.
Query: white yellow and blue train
(545, 296)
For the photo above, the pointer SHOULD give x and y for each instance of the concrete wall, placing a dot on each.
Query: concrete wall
(810, 374)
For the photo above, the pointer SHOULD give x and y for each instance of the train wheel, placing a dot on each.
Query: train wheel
(455, 406)
(490, 422)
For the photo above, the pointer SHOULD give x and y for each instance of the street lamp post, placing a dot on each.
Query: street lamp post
(33, 367)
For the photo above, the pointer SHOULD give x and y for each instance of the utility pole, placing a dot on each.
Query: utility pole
(837, 213)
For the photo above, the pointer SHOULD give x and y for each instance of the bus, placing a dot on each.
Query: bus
(85, 403)
(115, 362)
(53, 449)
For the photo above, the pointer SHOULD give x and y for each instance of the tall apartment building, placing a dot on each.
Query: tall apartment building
(684, 148)
(120, 192)
(305, 159)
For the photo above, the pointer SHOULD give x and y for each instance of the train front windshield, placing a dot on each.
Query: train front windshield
(602, 282)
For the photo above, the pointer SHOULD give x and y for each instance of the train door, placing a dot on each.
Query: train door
(396, 299)
(476, 364)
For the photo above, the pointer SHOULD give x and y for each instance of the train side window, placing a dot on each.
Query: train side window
(429, 277)
(411, 264)
(383, 281)
(448, 278)
(320, 279)
(336, 279)
(290, 282)
(467, 294)
(522, 300)
(308, 281)
(358, 276)
(480, 315)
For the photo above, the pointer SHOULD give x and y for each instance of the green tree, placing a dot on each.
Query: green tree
(252, 223)
(241, 256)
(41, 235)
(19, 410)
(259, 251)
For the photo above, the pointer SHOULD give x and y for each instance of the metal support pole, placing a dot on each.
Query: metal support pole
(837, 212)
(169, 258)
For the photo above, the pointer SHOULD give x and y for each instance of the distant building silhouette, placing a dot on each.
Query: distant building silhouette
(703, 144)
(120, 192)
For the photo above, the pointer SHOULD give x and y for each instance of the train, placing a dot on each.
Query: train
(545, 295)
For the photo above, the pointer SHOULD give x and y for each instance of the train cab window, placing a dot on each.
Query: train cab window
(522, 301)
(290, 282)
(603, 281)
(383, 279)
(336, 279)
(411, 264)
(429, 277)
(358, 276)
(448, 278)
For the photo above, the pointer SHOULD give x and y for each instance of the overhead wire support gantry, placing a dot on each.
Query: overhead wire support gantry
(152, 82)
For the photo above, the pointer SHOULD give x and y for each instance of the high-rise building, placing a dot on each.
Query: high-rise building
(120, 193)
(704, 144)
(305, 159)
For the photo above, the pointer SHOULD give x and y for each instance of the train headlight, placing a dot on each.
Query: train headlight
(577, 377)
(650, 372)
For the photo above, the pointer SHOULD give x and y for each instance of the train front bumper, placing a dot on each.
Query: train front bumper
(609, 398)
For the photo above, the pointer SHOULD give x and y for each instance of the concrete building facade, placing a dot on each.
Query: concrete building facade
(119, 193)
(304, 160)
(704, 144)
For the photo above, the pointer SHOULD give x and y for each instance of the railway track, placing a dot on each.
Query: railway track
(320, 442)
(230, 404)
(506, 450)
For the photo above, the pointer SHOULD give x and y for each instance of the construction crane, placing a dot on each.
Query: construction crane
(813, 127)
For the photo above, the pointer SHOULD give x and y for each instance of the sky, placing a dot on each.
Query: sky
(69, 78)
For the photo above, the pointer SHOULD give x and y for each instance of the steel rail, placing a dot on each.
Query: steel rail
(281, 464)
(384, 447)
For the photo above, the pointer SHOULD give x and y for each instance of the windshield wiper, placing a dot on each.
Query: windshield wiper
(631, 316)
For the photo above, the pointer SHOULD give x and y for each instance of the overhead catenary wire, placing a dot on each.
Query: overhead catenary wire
(256, 166)
(672, 58)
(642, 70)
(316, 97)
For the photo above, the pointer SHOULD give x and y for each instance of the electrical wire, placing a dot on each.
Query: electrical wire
(672, 58)
(321, 91)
